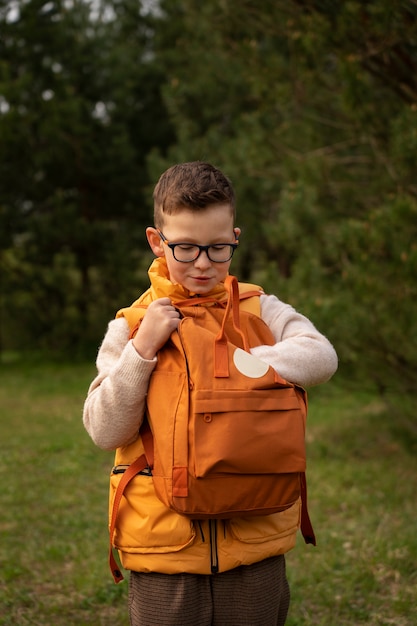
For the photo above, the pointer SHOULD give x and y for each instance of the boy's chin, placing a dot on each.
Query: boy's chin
(200, 289)
(199, 292)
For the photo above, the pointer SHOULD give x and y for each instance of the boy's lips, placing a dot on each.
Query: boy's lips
(201, 279)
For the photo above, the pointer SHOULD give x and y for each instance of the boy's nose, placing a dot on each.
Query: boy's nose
(202, 261)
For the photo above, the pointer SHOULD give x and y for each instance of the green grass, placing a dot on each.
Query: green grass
(363, 481)
(53, 520)
(53, 502)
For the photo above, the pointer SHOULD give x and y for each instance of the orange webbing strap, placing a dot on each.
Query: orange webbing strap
(137, 466)
(147, 440)
(221, 354)
(306, 526)
(196, 301)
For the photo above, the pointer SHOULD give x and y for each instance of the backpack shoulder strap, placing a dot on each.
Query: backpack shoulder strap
(249, 298)
(145, 460)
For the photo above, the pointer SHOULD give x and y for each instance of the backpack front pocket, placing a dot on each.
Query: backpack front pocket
(256, 431)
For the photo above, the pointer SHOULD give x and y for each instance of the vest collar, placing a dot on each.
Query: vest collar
(162, 287)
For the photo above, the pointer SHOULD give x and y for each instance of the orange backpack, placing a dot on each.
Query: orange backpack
(224, 434)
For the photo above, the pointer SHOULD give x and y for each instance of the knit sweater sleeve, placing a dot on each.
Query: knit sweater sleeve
(114, 407)
(301, 354)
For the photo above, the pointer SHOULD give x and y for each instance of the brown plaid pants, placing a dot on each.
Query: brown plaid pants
(250, 595)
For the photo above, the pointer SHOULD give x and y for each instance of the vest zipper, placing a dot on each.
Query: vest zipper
(200, 526)
(213, 546)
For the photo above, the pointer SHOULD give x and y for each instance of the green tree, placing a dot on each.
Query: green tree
(79, 110)
(311, 108)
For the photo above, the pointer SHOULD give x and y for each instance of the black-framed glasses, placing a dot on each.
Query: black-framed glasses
(189, 252)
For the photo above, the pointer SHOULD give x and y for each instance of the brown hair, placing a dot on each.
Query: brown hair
(192, 186)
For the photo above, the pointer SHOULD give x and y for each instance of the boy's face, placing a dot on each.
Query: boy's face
(209, 226)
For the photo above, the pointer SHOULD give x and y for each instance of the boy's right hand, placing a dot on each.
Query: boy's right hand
(160, 320)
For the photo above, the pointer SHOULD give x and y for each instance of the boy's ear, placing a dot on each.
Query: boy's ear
(155, 241)
(237, 232)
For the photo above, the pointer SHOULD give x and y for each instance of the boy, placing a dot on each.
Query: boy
(171, 582)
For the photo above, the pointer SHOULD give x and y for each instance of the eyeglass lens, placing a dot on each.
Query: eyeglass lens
(188, 253)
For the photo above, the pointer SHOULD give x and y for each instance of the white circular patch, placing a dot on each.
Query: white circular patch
(249, 365)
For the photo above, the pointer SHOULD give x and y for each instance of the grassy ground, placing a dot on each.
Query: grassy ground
(53, 497)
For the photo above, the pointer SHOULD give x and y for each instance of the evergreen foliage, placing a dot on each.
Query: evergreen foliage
(80, 110)
(309, 107)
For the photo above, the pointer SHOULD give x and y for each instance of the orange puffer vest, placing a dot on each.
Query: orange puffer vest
(153, 538)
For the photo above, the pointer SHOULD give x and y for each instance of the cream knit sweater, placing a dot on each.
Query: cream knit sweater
(114, 407)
